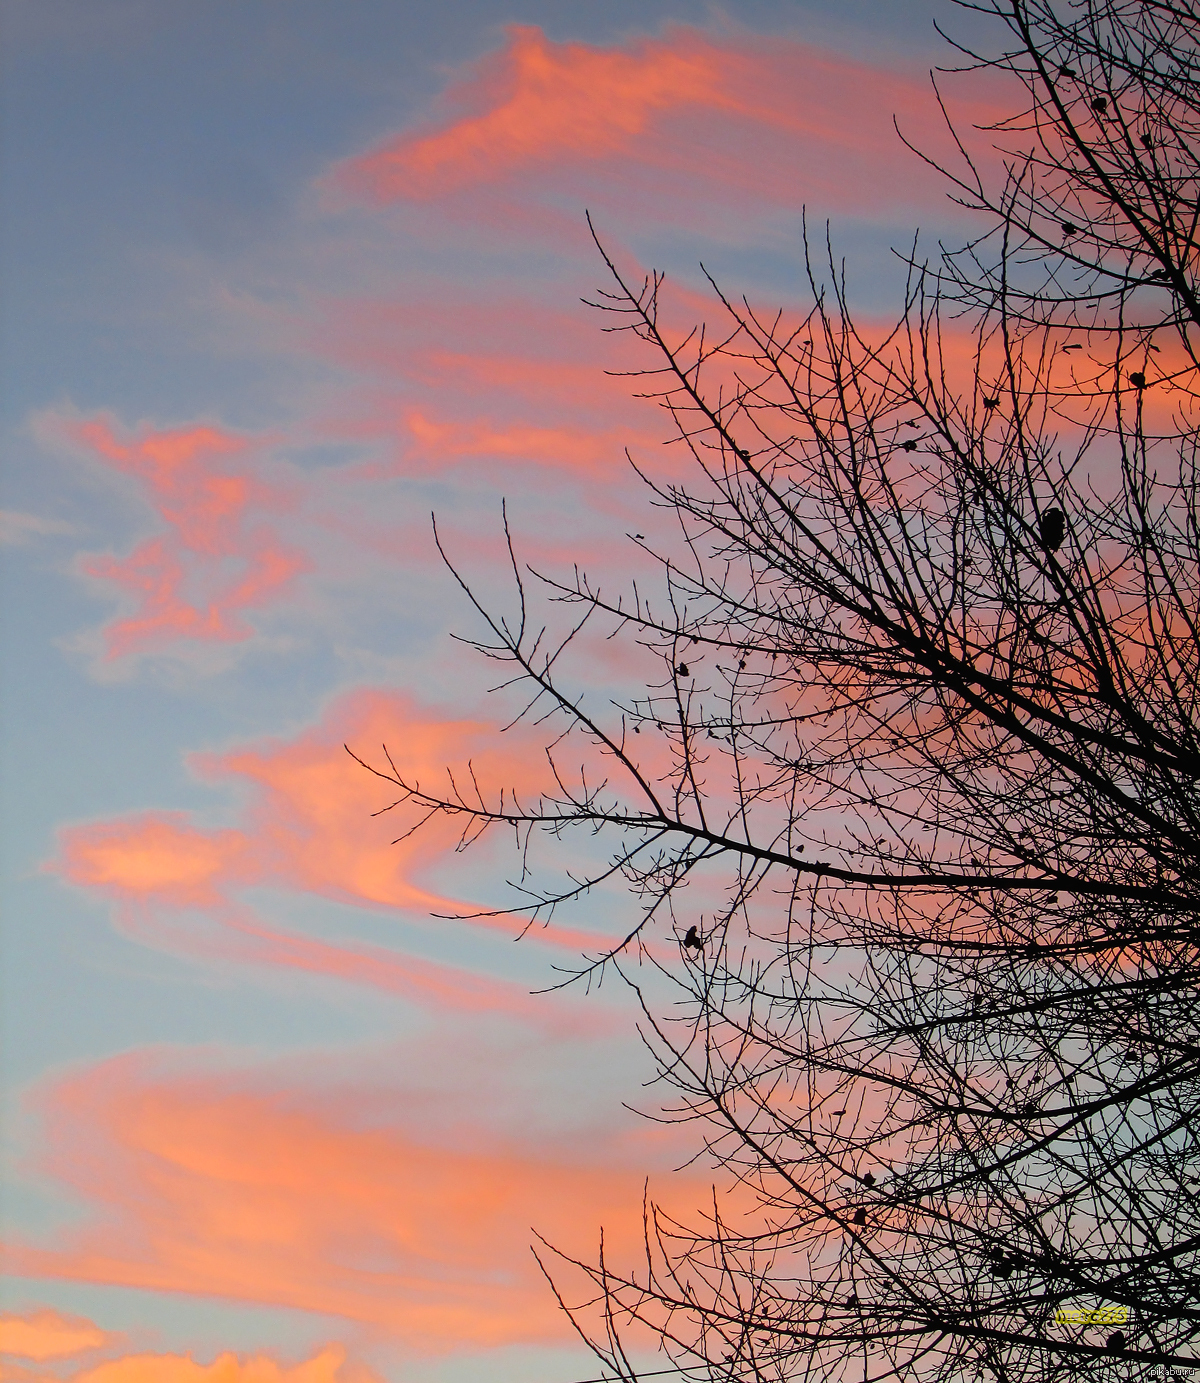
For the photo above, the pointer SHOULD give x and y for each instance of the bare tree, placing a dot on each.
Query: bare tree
(930, 653)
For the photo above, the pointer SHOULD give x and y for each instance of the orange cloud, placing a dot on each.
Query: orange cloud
(771, 117)
(308, 829)
(217, 560)
(309, 818)
(45, 1334)
(357, 1210)
(159, 856)
(327, 1366)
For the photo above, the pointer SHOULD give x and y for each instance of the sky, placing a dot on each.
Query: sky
(282, 279)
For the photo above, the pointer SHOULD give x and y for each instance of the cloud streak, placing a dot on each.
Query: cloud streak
(215, 1187)
(47, 1334)
(307, 829)
(17, 529)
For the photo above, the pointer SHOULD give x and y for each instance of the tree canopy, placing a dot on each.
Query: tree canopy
(929, 645)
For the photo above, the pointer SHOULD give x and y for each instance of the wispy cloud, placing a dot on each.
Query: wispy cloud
(537, 101)
(218, 556)
(17, 528)
(767, 118)
(441, 443)
(209, 1185)
(307, 829)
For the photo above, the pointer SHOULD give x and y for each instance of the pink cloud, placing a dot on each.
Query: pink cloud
(307, 828)
(492, 388)
(218, 557)
(767, 117)
(211, 1186)
(536, 101)
(504, 348)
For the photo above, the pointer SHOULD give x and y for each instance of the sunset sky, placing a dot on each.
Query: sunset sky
(281, 278)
